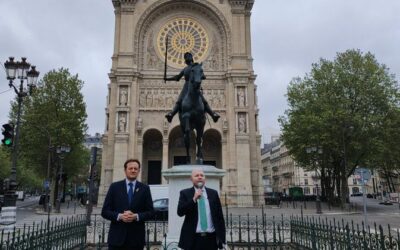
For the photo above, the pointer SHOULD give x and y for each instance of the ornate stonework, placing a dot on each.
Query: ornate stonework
(217, 33)
(122, 120)
(185, 34)
(179, 9)
(123, 96)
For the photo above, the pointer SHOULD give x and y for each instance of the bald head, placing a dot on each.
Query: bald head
(198, 176)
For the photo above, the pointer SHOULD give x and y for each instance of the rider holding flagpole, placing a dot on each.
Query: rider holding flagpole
(186, 73)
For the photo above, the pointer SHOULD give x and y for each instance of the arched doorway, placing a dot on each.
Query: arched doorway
(212, 149)
(177, 150)
(152, 157)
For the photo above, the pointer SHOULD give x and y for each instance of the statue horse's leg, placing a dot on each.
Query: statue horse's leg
(199, 142)
(186, 138)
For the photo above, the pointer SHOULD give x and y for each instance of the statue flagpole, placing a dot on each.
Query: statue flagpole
(166, 56)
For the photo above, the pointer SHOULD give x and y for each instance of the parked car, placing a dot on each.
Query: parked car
(356, 194)
(272, 198)
(161, 209)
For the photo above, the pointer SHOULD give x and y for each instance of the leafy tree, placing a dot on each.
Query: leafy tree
(54, 115)
(340, 107)
(387, 157)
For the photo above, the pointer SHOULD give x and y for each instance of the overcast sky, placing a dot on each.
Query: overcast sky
(287, 37)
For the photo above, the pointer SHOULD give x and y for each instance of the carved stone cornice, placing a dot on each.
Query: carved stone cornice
(249, 5)
(241, 6)
(124, 4)
(118, 3)
(122, 109)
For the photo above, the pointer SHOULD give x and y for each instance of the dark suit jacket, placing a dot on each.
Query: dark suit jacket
(116, 201)
(188, 208)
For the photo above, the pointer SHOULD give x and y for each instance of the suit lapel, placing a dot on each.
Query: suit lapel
(196, 213)
(210, 200)
(124, 193)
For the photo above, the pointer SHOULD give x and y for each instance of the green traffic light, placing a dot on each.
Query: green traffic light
(7, 142)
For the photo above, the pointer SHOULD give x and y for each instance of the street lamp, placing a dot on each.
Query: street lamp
(314, 151)
(17, 70)
(61, 150)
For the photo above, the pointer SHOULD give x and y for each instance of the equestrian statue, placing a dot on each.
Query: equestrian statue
(191, 105)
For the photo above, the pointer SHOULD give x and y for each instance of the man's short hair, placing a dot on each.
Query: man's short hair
(131, 160)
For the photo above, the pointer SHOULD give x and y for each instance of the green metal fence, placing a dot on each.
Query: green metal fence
(313, 233)
(242, 232)
(66, 233)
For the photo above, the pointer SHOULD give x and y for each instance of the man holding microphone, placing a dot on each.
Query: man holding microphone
(204, 225)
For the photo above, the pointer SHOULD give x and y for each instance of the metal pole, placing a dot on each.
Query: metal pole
(9, 211)
(47, 198)
(59, 184)
(47, 195)
(365, 203)
(89, 207)
(13, 175)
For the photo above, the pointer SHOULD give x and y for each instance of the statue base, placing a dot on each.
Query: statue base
(178, 178)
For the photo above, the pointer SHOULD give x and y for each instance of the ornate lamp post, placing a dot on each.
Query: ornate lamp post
(17, 70)
(61, 150)
(313, 151)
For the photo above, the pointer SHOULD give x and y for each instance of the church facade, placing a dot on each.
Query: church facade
(217, 33)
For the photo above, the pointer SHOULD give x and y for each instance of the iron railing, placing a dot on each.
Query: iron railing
(97, 232)
(60, 234)
(313, 233)
(242, 232)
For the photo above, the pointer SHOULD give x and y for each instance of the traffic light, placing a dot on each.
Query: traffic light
(8, 133)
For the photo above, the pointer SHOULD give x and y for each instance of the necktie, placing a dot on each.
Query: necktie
(130, 193)
(202, 213)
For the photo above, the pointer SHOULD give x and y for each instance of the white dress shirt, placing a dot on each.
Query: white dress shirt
(127, 185)
(127, 191)
(210, 225)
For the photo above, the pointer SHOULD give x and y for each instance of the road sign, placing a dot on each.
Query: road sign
(46, 184)
(364, 173)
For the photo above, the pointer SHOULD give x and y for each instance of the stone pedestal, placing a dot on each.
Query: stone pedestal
(178, 178)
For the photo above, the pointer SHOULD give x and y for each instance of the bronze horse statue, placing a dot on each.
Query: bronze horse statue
(191, 113)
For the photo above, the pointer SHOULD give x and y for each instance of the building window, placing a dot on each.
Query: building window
(314, 191)
(305, 181)
(306, 191)
(355, 181)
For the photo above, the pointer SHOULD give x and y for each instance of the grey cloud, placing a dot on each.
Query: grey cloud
(287, 36)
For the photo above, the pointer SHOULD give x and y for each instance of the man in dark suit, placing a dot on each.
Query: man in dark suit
(128, 205)
(204, 225)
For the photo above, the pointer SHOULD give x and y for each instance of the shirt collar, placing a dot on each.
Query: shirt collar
(128, 181)
(202, 189)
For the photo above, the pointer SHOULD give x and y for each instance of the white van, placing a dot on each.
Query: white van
(159, 191)
(20, 195)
